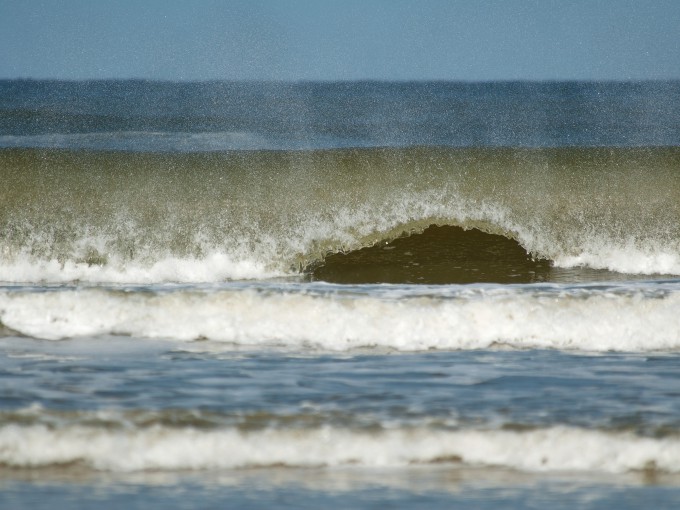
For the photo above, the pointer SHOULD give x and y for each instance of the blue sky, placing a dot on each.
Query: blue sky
(340, 40)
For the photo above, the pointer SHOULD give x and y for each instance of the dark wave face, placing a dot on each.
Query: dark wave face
(437, 255)
(504, 215)
(446, 254)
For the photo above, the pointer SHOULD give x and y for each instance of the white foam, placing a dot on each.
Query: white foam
(624, 259)
(330, 317)
(162, 448)
(214, 267)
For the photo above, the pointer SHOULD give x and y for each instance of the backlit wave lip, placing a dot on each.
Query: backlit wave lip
(635, 318)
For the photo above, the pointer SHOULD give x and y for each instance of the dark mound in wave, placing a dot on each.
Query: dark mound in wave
(440, 254)
(449, 254)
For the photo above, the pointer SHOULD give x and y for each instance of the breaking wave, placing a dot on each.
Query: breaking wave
(208, 217)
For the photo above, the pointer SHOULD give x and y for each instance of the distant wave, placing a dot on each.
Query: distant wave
(365, 114)
(158, 141)
(144, 218)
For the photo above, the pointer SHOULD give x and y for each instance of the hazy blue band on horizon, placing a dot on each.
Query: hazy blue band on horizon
(186, 117)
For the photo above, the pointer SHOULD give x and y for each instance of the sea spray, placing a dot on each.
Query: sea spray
(109, 216)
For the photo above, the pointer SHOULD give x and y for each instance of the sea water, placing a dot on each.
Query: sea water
(349, 294)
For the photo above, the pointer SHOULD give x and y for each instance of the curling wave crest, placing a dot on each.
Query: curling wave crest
(210, 217)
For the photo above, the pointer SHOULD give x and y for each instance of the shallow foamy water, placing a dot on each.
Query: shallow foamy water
(134, 418)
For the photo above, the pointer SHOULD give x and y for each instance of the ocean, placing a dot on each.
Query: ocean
(346, 295)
